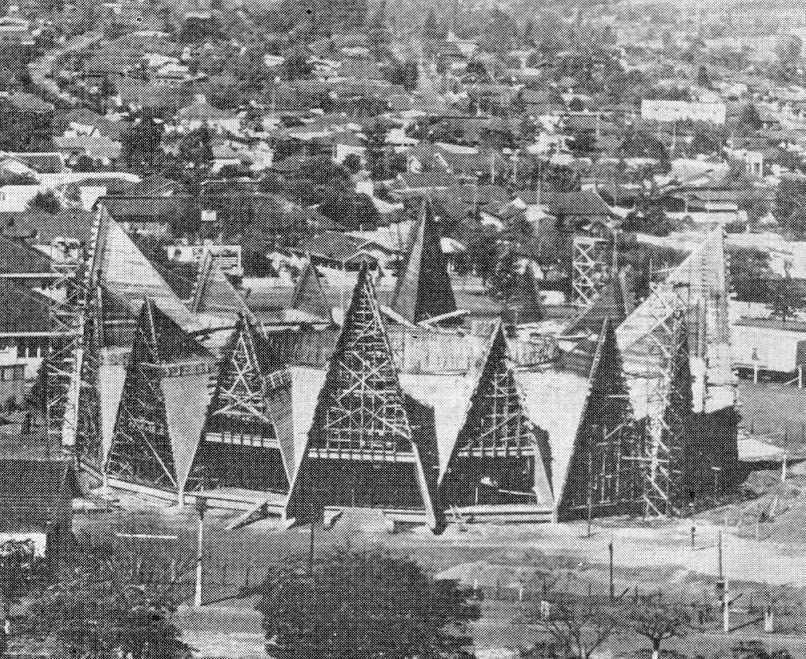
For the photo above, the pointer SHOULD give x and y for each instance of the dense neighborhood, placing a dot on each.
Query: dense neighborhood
(348, 329)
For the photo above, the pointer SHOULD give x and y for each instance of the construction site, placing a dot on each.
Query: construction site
(403, 406)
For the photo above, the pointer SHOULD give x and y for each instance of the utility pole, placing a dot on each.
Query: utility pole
(726, 610)
(612, 585)
(311, 546)
(201, 506)
(590, 489)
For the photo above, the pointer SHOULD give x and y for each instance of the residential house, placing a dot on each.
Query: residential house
(97, 147)
(200, 112)
(15, 31)
(151, 215)
(343, 253)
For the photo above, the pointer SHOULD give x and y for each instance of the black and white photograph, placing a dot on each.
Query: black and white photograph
(429, 329)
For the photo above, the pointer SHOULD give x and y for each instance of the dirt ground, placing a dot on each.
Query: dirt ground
(500, 561)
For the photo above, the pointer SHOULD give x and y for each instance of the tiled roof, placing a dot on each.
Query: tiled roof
(29, 103)
(19, 258)
(43, 228)
(157, 208)
(584, 203)
(22, 309)
(44, 163)
(35, 494)
(331, 245)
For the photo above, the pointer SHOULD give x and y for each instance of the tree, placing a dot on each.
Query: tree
(705, 142)
(787, 295)
(505, 277)
(579, 629)
(788, 48)
(755, 203)
(378, 32)
(757, 650)
(84, 164)
(365, 604)
(750, 274)
(431, 31)
(296, 64)
(749, 118)
(643, 145)
(658, 621)
(46, 201)
(500, 34)
(141, 143)
(703, 79)
(83, 617)
(196, 153)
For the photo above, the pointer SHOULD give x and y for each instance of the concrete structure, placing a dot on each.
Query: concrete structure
(769, 344)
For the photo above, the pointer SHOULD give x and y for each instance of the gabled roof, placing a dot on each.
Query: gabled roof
(309, 296)
(19, 258)
(43, 228)
(155, 184)
(26, 102)
(584, 203)
(423, 181)
(156, 208)
(423, 288)
(22, 309)
(35, 494)
(201, 110)
(333, 245)
(44, 163)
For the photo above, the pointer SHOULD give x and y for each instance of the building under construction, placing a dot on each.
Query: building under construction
(397, 409)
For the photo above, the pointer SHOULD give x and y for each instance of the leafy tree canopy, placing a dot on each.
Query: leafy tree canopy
(364, 604)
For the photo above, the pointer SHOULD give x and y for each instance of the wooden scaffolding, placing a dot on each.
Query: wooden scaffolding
(500, 456)
(590, 268)
(161, 402)
(241, 446)
(668, 433)
(603, 474)
(362, 449)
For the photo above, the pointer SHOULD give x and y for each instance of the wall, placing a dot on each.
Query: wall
(414, 351)
(776, 350)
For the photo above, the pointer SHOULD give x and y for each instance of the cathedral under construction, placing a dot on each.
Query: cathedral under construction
(399, 406)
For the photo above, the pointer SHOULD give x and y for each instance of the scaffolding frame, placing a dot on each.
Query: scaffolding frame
(64, 362)
(663, 472)
(240, 425)
(497, 433)
(361, 430)
(590, 268)
(603, 473)
(140, 440)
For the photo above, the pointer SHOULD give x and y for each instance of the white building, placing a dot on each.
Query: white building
(227, 257)
(670, 111)
(769, 344)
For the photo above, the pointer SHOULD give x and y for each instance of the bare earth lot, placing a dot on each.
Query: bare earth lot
(499, 561)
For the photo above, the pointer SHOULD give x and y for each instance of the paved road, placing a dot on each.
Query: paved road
(41, 69)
